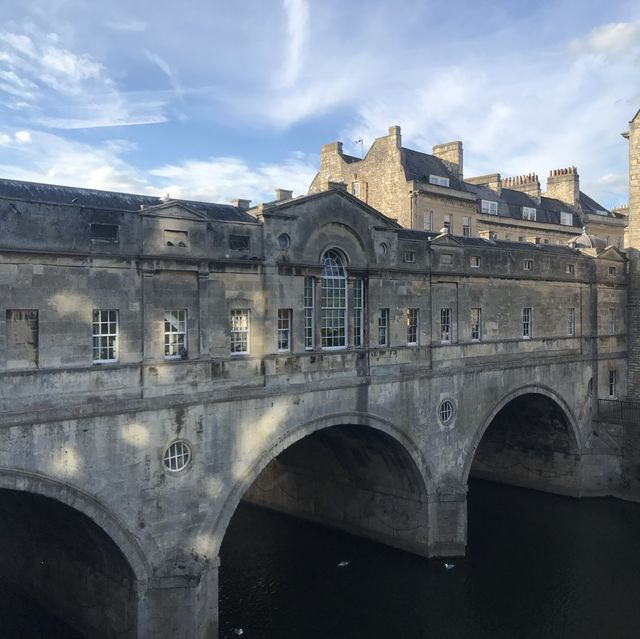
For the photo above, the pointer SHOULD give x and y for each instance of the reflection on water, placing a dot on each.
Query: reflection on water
(538, 567)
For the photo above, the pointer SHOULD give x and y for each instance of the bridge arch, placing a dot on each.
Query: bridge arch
(524, 392)
(385, 429)
(66, 550)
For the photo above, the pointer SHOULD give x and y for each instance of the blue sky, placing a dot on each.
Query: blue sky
(215, 100)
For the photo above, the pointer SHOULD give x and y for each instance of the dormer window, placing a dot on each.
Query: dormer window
(566, 219)
(355, 189)
(489, 207)
(438, 180)
(529, 213)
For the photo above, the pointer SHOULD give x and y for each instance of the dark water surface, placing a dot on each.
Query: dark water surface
(538, 567)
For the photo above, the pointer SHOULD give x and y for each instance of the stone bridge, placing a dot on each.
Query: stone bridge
(162, 361)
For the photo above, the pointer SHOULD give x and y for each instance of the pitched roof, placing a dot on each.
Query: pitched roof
(418, 166)
(112, 200)
(510, 203)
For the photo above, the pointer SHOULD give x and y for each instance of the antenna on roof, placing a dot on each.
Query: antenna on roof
(361, 143)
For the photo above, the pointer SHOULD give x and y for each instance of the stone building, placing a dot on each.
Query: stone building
(430, 192)
(161, 360)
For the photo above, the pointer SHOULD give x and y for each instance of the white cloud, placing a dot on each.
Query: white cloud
(60, 88)
(614, 39)
(52, 159)
(297, 13)
(23, 137)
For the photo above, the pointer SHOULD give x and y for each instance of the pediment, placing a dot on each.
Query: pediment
(175, 210)
(328, 201)
(444, 239)
(612, 253)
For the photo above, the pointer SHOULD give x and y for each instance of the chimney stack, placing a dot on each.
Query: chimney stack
(492, 181)
(283, 194)
(243, 205)
(451, 154)
(395, 137)
(564, 185)
(528, 184)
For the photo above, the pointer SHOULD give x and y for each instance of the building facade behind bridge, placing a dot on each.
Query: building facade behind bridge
(163, 359)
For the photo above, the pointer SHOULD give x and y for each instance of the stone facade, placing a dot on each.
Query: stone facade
(224, 346)
(429, 192)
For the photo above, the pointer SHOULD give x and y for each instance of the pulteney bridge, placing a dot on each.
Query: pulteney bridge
(162, 361)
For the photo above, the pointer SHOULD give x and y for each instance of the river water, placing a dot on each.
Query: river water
(538, 566)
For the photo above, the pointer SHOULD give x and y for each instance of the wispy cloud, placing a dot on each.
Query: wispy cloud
(59, 88)
(43, 157)
(297, 14)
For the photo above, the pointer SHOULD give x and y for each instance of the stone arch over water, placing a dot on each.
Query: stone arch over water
(354, 472)
(65, 550)
(530, 438)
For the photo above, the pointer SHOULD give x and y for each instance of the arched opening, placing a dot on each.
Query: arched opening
(354, 478)
(529, 441)
(346, 477)
(58, 557)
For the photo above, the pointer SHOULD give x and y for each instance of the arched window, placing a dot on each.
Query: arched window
(333, 301)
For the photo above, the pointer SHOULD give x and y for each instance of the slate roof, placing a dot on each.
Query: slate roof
(589, 205)
(510, 203)
(481, 242)
(111, 200)
(418, 166)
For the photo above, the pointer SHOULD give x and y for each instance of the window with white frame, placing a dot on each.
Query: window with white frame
(528, 265)
(333, 301)
(488, 206)
(445, 324)
(358, 313)
(448, 223)
(466, 226)
(438, 180)
(612, 321)
(476, 324)
(175, 334)
(570, 269)
(474, 261)
(612, 271)
(529, 213)
(413, 315)
(105, 336)
(612, 383)
(308, 302)
(428, 221)
(571, 322)
(284, 329)
(240, 319)
(566, 219)
(383, 327)
(526, 322)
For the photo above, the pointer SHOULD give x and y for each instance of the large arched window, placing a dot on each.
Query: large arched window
(333, 301)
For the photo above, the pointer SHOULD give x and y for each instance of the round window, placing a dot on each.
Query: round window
(382, 248)
(177, 456)
(284, 240)
(445, 411)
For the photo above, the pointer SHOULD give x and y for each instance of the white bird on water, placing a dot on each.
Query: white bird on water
(449, 566)
(343, 564)
(238, 631)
